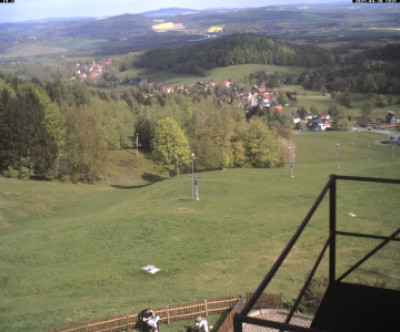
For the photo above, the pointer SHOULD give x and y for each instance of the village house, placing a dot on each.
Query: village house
(91, 70)
(364, 121)
(255, 100)
(295, 118)
(210, 85)
(318, 124)
(182, 89)
(391, 118)
(276, 108)
(227, 83)
(325, 116)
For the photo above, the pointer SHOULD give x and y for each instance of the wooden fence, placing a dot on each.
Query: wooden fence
(227, 324)
(267, 301)
(172, 313)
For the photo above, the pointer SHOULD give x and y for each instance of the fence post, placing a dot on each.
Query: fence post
(206, 307)
(167, 314)
(127, 321)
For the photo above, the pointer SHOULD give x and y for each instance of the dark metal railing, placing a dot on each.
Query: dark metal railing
(330, 243)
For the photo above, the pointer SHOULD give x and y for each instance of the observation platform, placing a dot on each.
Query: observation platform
(348, 308)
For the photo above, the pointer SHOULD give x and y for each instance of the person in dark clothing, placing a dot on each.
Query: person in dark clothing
(150, 319)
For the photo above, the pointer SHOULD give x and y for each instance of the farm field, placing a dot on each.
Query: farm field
(321, 102)
(49, 46)
(74, 253)
(31, 50)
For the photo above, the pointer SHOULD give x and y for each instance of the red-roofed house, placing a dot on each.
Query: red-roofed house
(276, 108)
(227, 83)
(325, 116)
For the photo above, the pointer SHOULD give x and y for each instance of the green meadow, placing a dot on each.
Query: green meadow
(234, 72)
(74, 253)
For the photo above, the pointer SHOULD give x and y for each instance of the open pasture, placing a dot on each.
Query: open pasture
(321, 102)
(234, 72)
(74, 253)
(31, 50)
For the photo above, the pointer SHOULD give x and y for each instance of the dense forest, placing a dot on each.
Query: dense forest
(233, 49)
(64, 131)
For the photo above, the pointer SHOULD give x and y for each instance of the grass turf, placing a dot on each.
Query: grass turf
(73, 253)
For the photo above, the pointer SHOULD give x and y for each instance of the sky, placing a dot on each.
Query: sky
(24, 10)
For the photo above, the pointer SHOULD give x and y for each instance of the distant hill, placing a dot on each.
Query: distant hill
(110, 28)
(233, 49)
(301, 24)
(169, 12)
(389, 52)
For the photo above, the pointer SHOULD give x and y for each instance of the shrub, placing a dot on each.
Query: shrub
(315, 291)
(65, 178)
(11, 172)
(75, 179)
(370, 282)
(25, 173)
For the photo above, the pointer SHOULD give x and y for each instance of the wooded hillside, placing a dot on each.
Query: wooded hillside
(234, 49)
(65, 130)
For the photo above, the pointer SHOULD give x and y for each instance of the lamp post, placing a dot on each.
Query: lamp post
(196, 187)
(177, 165)
(137, 143)
(192, 157)
(393, 151)
(290, 161)
(337, 156)
(368, 154)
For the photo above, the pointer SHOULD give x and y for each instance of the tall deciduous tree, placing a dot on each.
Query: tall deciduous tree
(213, 136)
(7, 106)
(168, 143)
(86, 147)
(339, 116)
(368, 107)
(381, 101)
(283, 98)
(262, 148)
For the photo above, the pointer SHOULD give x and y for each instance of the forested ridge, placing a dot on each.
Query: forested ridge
(376, 70)
(234, 49)
(388, 52)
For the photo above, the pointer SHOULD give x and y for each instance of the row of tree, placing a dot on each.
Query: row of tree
(57, 130)
(40, 137)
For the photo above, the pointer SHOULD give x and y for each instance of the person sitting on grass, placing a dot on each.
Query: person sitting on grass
(150, 319)
(202, 324)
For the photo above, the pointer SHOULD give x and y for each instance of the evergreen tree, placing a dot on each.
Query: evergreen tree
(32, 129)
